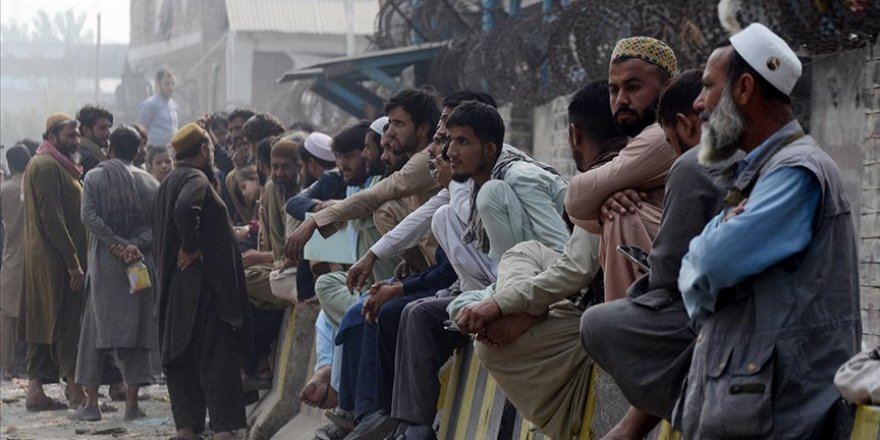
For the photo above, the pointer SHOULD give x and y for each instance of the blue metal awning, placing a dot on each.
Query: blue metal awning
(339, 80)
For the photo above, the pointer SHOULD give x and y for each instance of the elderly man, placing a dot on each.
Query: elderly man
(203, 318)
(639, 69)
(773, 279)
(55, 242)
(653, 318)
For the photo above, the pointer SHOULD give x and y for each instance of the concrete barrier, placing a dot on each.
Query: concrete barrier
(294, 360)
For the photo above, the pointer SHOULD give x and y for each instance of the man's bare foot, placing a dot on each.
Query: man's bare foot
(635, 425)
(318, 392)
(77, 397)
(507, 329)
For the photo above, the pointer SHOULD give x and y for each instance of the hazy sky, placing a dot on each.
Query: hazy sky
(114, 14)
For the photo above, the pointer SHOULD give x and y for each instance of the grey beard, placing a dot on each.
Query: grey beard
(722, 133)
(75, 157)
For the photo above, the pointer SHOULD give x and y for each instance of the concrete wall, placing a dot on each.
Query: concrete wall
(550, 135)
(869, 252)
(845, 120)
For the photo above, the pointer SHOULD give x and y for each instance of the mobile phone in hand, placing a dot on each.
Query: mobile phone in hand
(636, 255)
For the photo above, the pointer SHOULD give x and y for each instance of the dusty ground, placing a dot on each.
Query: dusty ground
(18, 424)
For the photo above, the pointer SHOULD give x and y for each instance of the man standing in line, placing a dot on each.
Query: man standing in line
(158, 113)
(203, 308)
(12, 351)
(54, 263)
(117, 201)
(94, 126)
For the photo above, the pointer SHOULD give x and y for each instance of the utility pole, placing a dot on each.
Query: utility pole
(349, 28)
(98, 63)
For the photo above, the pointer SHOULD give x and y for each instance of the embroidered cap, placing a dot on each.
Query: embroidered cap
(647, 49)
(187, 137)
(769, 55)
(318, 144)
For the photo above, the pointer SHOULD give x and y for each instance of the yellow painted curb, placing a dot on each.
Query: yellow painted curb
(867, 423)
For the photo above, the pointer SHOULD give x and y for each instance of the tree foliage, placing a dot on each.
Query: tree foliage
(66, 27)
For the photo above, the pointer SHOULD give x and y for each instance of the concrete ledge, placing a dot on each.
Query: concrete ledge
(294, 355)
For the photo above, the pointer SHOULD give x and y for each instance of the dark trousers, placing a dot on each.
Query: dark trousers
(386, 345)
(267, 323)
(423, 346)
(48, 362)
(348, 367)
(366, 385)
(206, 376)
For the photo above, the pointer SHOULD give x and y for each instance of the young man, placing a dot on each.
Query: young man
(158, 113)
(527, 330)
(94, 126)
(55, 242)
(203, 318)
(638, 70)
(117, 204)
(259, 127)
(773, 278)
(12, 351)
(514, 198)
(413, 117)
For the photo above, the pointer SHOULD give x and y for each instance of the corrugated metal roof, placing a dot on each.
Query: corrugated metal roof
(325, 17)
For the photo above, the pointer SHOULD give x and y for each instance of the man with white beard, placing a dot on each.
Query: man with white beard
(772, 281)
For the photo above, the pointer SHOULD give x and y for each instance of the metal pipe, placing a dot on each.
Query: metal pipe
(489, 15)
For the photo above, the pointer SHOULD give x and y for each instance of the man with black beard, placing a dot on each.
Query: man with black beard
(645, 341)
(772, 280)
(94, 126)
(639, 69)
(203, 319)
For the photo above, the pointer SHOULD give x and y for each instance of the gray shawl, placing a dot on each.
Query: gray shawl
(474, 231)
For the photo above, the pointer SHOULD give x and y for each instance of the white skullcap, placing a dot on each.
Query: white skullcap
(769, 55)
(318, 144)
(379, 124)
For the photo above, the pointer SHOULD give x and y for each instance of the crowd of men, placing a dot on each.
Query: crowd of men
(704, 256)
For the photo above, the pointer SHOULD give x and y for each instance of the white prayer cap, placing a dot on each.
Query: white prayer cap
(318, 144)
(769, 55)
(379, 124)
